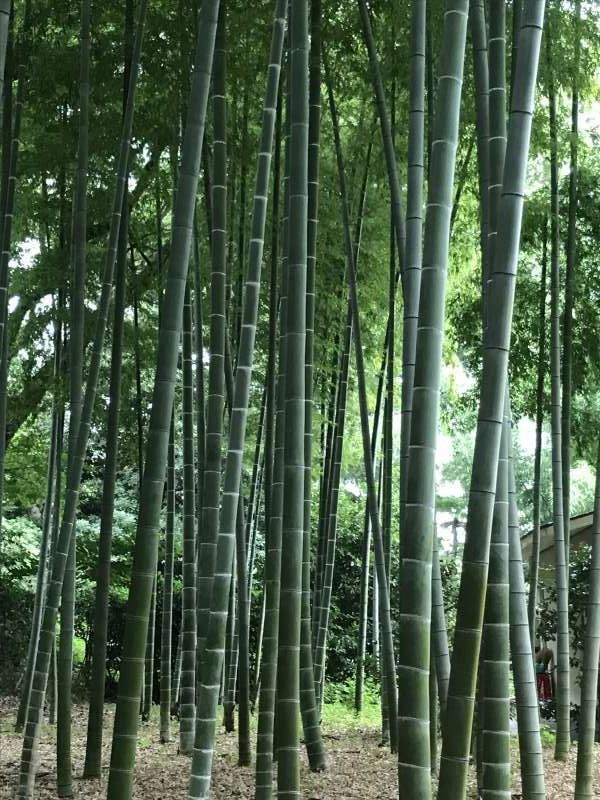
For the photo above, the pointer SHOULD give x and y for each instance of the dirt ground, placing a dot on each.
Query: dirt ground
(358, 767)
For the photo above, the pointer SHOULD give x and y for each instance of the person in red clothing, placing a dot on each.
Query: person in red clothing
(544, 657)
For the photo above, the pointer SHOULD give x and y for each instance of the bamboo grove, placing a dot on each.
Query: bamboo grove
(263, 269)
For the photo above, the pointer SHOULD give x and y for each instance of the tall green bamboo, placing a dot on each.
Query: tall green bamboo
(567, 343)
(5, 9)
(415, 594)
(145, 549)
(495, 666)
(76, 363)
(414, 232)
(388, 668)
(212, 657)
(439, 631)
(188, 645)
(32, 729)
(267, 658)
(481, 78)
(288, 658)
(215, 401)
(386, 133)
(467, 636)
(324, 596)
(46, 538)
(494, 659)
(563, 710)
(528, 720)
(534, 562)
(147, 694)
(308, 700)
(584, 777)
(166, 634)
(93, 751)
(199, 381)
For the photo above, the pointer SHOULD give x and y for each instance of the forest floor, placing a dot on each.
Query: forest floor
(358, 766)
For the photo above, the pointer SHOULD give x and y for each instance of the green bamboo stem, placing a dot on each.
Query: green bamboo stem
(415, 596)
(93, 752)
(289, 639)
(388, 670)
(386, 134)
(308, 699)
(534, 562)
(563, 706)
(414, 233)
(147, 693)
(481, 78)
(570, 273)
(146, 544)
(27, 773)
(467, 636)
(64, 778)
(46, 538)
(212, 657)
(166, 635)
(584, 777)
(207, 547)
(528, 720)
(439, 631)
(266, 660)
(188, 653)
(494, 704)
